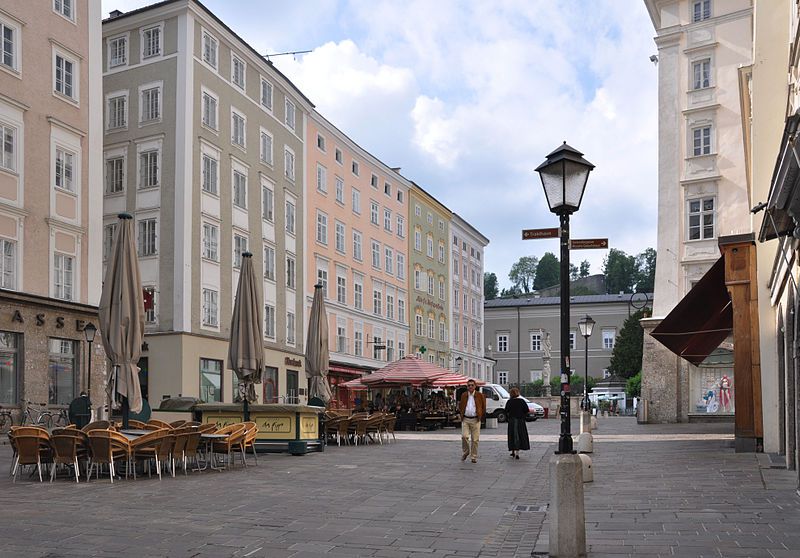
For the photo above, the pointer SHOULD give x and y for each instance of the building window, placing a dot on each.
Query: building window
(701, 10)
(8, 266)
(430, 218)
(609, 336)
(146, 239)
(322, 228)
(210, 50)
(401, 349)
(341, 289)
(536, 341)
(418, 240)
(108, 240)
(290, 212)
(65, 169)
(62, 371)
(388, 260)
(337, 155)
(115, 175)
(701, 219)
(502, 343)
(290, 272)
(269, 263)
(211, 242)
(358, 343)
(430, 246)
(339, 232)
(322, 179)
(9, 362)
(357, 245)
(237, 72)
(151, 104)
(148, 169)
(266, 148)
(9, 139)
(149, 295)
(321, 142)
(455, 298)
(151, 42)
(401, 310)
(339, 190)
(389, 307)
(63, 273)
(573, 340)
(237, 129)
(267, 204)
(401, 226)
(269, 321)
(430, 284)
(239, 248)
(400, 196)
(387, 188)
(65, 8)
(10, 45)
(389, 350)
(266, 94)
(290, 327)
(502, 376)
(387, 219)
(65, 77)
(701, 141)
(441, 252)
(117, 112)
(377, 302)
(341, 339)
(417, 210)
(701, 72)
(210, 380)
(418, 325)
(442, 331)
(373, 213)
(376, 254)
(210, 308)
(441, 289)
(117, 52)
(358, 296)
(289, 116)
(355, 168)
(431, 329)
(239, 190)
(322, 279)
(209, 110)
(288, 164)
(209, 174)
(356, 201)
(401, 266)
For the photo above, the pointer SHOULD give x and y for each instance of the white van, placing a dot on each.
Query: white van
(496, 399)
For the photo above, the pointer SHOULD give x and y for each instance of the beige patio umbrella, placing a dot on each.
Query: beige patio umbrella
(121, 316)
(317, 352)
(246, 345)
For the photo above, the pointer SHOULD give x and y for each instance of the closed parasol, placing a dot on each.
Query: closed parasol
(246, 345)
(317, 352)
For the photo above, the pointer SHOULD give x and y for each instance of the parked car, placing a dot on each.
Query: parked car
(535, 411)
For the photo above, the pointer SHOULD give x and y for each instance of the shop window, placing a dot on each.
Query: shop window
(62, 371)
(210, 380)
(270, 380)
(292, 387)
(10, 345)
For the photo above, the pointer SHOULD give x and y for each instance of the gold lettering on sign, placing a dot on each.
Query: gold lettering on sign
(282, 425)
(308, 425)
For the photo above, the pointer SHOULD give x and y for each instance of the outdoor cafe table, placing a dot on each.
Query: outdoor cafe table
(208, 440)
(132, 433)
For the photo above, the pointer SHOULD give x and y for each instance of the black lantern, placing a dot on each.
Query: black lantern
(586, 325)
(89, 331)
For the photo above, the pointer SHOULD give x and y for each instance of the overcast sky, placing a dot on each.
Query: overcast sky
(469, 97)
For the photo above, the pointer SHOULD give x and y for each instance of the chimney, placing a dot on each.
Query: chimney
(115, 14)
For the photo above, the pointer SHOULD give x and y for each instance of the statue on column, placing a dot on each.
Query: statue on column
(547, 347)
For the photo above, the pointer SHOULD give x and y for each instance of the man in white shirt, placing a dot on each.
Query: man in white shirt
(472, 407)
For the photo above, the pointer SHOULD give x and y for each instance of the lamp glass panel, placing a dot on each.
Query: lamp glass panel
(575, 181)
(553, 185)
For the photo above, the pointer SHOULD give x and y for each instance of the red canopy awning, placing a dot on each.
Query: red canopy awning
(454, 379)
(702, 320)
(409, 370)
(354, 385)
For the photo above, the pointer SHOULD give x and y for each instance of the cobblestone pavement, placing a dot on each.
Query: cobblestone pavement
(669, 490)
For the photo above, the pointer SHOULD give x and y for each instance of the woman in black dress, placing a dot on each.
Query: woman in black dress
(517, 412)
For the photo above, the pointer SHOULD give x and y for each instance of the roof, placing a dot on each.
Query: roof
(532, 300)
(224, 26)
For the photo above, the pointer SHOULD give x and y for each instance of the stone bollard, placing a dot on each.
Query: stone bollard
(588, 473)
(594, 422)
(566, 515)
(585, 442)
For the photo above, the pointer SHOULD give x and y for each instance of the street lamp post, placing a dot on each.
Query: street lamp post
(586, 325)
(459, 360)
(89, 331)
(564, 175)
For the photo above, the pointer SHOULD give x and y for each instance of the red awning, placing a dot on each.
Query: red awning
(409, 371)
(702, 320)
(354, 385)
(454, 380)
(339, 369)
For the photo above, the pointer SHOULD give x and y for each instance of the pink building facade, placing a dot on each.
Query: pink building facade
(356, 247)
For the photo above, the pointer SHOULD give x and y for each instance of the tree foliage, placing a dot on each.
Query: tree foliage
(490, 288)
(584, 269)
(634, 386)
(510, 292)
(620, 271)
(646, 271)
(523, 272)
(626, 359)
(547, 272)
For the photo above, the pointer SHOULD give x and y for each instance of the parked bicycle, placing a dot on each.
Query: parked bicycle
(6, 420)
(37, 414)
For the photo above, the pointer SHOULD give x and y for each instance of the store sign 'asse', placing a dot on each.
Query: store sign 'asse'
(41, 319)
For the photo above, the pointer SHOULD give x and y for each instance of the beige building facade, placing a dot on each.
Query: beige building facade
(204, 142)
(50, 198)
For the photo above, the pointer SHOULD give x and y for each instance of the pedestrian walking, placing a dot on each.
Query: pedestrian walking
(472, 407)
(516, 414)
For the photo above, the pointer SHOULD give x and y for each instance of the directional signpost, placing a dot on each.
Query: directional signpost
(588, 243)
(531, 234)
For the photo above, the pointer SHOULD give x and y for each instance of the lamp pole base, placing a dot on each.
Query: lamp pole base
(566, 515)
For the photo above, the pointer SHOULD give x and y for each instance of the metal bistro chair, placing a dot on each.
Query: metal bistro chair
(33, 448)
(150, 447)
(108, 446)
(235, 438)
(68, 445)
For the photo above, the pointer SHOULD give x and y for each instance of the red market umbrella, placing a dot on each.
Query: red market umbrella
(454, 379)
(354, 385)
(408, 370)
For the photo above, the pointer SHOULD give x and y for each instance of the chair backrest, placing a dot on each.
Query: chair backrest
(159, 423)
(65, 445)
(136, 424)
(179, 444)
(103, 444)
(192, 443)
(29, 445)
(97, 425)
(149, 440)
(192, 423)
(237, 436)
(207, 428)
(177, 423)
(231, 428)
